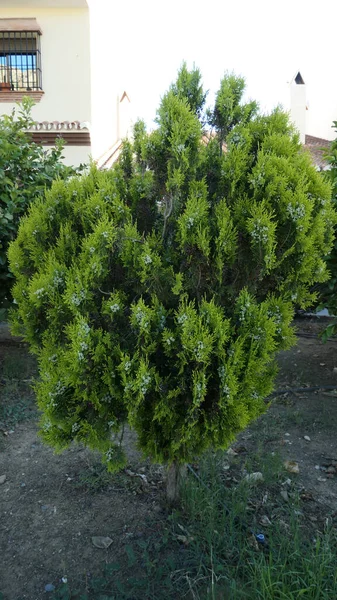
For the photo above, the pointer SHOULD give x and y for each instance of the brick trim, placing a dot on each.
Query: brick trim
(13, 97)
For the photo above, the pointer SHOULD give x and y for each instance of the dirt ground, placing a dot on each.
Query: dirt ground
(51, 506)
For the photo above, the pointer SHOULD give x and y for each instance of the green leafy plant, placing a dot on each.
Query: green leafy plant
(328, 291)
(159, 292)
(26, 170)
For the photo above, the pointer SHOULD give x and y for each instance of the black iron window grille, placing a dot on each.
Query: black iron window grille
(20, 61)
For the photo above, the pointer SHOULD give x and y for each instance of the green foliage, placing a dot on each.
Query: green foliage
(159, 292)
(189, 86)
(228, 109)
(25, 171)
(328, 291)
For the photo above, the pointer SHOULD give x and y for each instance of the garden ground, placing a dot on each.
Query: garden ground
(57, 511)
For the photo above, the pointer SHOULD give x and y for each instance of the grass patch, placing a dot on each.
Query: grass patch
(207, 550)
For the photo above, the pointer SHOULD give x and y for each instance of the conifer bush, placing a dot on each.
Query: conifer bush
(328, 290)
(158, 293)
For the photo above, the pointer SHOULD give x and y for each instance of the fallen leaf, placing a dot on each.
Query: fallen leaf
(253, 542)
(265, 521)
(286, 482)
(101, 542)
(292, 466)
(140, 475)
(183, 528)
(306, 496)
(185, 539)
(283, 524)
(130, 473)
(240, 449)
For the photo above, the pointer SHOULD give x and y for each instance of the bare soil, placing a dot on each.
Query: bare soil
(51, 506)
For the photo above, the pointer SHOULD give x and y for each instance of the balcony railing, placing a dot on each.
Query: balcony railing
(20, 61)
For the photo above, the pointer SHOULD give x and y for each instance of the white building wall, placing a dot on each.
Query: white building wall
(66, 76)
(298, 107)
(76, 155)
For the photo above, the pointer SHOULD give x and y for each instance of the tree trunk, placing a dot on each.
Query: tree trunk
(175, 475)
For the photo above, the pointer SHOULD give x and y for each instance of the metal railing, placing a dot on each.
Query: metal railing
(20, 61)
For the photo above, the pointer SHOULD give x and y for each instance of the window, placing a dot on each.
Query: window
(20, 56)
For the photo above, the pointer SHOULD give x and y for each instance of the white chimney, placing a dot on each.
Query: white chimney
(124, 120)
(298, 104)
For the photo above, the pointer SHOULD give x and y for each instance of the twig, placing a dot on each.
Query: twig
(168, 212)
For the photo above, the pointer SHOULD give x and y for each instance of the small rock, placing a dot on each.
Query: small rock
(231, 452)
(292, 466)
(322, 364)
(321, 478)
(335, 369)
(101, 542)
(287, 434)
(284, 495)
(64, 579)
(306, 438)
(49, 587)
(254, 477)
(3, 479)
(317, 467)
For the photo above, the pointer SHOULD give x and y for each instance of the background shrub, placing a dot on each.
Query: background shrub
(26, 170)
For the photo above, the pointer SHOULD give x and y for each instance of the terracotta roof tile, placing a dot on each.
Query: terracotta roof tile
(60, 125)
(317, 148)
